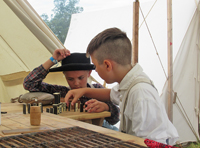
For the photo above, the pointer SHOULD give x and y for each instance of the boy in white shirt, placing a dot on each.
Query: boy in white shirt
(141, 110)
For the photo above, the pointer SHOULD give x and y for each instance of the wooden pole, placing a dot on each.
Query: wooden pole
(170, 60)
(135, 31)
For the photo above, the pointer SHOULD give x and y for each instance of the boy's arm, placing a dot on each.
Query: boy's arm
(33, 81)
(59, 54)
(101, 94)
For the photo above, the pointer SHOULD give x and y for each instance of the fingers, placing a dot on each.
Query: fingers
(67, 96)
(65, 52)
(75, 99)
(94, 109)
(71, 95)
(90, 101)
(60, 54)
(94, 106)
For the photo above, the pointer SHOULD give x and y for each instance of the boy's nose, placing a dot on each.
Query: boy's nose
(76, 82)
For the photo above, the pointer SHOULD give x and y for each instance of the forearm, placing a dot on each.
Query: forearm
(33, 83)
(48, 64)
(101, 94)
(33, 80)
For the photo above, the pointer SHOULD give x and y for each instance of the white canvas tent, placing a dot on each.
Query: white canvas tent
(186, 31)
(25, 43)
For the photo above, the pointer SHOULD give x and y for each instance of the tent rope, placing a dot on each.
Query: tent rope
(153, 43)
(186, 117)
(196, 2)
(148, 13)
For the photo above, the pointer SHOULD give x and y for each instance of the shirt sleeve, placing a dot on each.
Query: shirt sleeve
(114, 109)
(33, 82)
(115, 95)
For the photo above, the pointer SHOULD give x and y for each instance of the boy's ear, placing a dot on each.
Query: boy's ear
(108, 65)
(89, 73)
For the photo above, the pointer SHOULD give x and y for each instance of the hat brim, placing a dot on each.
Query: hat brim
(73, 67)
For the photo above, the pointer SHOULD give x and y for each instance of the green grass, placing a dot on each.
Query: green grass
(192, 145)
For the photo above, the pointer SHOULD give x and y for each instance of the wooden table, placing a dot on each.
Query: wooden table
(93, 118)
(16, 121)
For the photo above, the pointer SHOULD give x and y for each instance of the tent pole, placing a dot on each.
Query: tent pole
(135, 31)
(170, 60)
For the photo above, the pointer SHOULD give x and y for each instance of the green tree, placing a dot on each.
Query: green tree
(60, 21)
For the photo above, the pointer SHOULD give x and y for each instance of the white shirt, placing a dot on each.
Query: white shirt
(145, 115)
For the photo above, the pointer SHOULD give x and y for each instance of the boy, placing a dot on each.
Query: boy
(142, 113)
(76, 68)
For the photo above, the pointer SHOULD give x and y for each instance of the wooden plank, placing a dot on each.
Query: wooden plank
(98, 121)
(170, 60)
(87, 121)
(18, 107)
(26, 130)
(109, 132)
(7, 122)
(52, 121)
(85, 115)
(20, 120)
(2, 127)
(12, 107)
(136, 6)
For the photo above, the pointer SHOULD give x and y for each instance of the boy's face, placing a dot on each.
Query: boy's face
(100, 69)
(77, 79)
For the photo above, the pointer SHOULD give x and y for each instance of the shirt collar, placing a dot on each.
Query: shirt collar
(130, 76)
(88, 85)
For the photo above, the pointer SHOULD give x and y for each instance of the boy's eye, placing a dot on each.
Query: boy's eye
(70, 79)
(80, 78)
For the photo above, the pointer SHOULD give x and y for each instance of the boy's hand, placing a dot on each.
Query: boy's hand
(60, 54)
(74, 94)
(96, 106)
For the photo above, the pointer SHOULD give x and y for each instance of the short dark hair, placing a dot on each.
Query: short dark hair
(111, 44)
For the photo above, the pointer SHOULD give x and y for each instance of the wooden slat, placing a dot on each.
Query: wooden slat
(51, 121)
(26, 130)
(85, 115)
(99, 129)
(11, 107)
(136, 6)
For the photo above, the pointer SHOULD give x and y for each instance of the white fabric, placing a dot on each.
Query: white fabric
(25, 43)
(187, 83)
(35, 24)
(125, 96)
(145, 114)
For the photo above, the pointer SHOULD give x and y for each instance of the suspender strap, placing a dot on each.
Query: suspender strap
(124, 101)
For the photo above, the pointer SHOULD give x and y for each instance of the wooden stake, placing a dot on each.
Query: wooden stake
(170, 60)
(135, 31)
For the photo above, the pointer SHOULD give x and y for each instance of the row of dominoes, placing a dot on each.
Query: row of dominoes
(61, 107)
(27, 107)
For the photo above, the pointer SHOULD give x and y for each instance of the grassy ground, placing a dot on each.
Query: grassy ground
(194, 145)
(191, 145)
